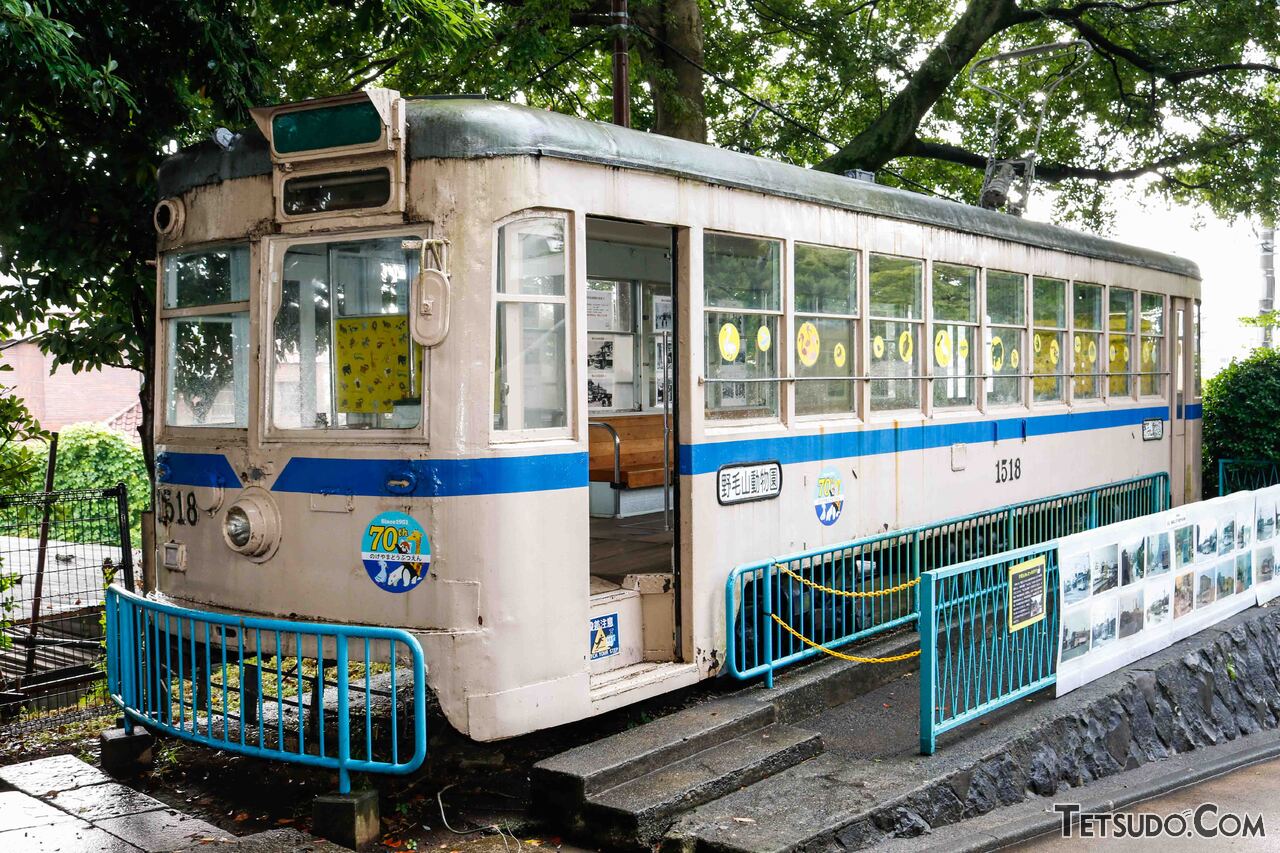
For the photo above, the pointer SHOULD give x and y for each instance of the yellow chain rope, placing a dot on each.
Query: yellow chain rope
(846, 593)
(855, 658)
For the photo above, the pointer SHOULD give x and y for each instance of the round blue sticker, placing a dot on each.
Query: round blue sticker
(828, 497)
(395, 551)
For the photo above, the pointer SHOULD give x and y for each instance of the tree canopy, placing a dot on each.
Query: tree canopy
(94, 94)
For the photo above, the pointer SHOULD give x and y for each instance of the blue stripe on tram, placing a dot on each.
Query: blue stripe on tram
(554, 471)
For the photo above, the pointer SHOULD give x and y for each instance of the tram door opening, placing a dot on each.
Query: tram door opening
(630, 366)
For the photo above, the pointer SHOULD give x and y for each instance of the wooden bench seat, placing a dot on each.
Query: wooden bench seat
(640, 455)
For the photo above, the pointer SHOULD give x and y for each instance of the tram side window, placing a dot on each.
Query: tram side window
(742, 290)
(897, 320)
(1120, 341)
(955, 340)
(343, 358)
(1151, 347)
(1195, 354)
(205, 312)
(826, 304)
(1087, 342)
(1006, 334)
(531, 383)
(1049, 309)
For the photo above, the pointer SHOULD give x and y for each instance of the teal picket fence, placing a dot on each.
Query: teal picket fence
(791, 608)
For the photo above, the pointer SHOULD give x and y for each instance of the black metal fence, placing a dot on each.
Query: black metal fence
(58, 552)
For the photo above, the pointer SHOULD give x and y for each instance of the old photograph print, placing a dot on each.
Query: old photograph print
(1106, 568)
(1132, 561)
(1075, 578)
(1075, 633)
(1104, 622)
(1159, 602)
(1159, 554)
(1131, 611)
(1184, 594)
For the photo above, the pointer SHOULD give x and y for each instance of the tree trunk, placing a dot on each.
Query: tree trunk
(890, 134)
(144, 321)
(671, 66)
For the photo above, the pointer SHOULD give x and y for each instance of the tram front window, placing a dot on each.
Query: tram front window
(343, 357)
(205, 312)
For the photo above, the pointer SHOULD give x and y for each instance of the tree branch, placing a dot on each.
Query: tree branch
(1057, 172)
(896, 126)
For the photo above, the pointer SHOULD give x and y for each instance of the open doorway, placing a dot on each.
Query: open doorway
(630, 365)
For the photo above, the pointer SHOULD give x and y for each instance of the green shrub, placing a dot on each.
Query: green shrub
(1242, 413)
(90, 456)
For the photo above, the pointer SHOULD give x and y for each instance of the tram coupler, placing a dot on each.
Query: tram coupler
(352, 820)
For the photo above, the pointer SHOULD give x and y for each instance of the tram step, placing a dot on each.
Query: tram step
(562, 783)
(641, 810)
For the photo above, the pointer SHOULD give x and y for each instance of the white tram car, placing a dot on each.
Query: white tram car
(401, 341)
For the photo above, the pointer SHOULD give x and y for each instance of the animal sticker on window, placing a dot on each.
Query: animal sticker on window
(373, 363)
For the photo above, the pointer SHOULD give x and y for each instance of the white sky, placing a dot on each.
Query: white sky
(1228, 255)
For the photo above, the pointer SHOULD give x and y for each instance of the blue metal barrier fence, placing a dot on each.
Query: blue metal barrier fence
(260, 687)
(971, 663)
(833, 596)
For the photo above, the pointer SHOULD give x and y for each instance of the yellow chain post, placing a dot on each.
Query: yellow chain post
(855, 658)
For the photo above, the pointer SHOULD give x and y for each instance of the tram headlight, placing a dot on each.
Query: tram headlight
(251, 525)
(237, 527)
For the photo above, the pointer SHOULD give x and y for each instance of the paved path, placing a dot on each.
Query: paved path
(64, 804)
(1253, 790)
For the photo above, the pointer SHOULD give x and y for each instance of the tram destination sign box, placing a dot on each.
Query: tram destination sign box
(746, 482)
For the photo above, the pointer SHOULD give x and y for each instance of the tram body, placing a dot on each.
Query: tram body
(455, 496)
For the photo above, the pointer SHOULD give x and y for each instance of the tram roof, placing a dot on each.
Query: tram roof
(472, 128)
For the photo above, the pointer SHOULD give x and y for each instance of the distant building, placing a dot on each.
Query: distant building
(107, 395)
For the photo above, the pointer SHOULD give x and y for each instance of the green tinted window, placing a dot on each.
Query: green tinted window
(326, 127)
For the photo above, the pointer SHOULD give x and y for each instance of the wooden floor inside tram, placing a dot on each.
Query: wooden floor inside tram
(630, 546)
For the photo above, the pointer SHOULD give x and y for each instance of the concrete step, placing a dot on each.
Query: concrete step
(641, 810)
(562, 783)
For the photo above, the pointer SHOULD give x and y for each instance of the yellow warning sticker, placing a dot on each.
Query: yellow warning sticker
(764, 339)
(730, 342)
(807, 344)
(839, 355)
(877, 347)
(942, 348)
(906, 345)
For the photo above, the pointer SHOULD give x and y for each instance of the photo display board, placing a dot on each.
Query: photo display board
(1129, 590)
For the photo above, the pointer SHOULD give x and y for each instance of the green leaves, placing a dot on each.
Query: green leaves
(1241, 410)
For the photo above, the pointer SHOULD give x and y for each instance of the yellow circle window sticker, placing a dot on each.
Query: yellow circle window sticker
(942, 348)
(764, 339)
(877, 347)
(1054, 352)
(1013, 359)
(997, 353)
(962, 349)
(730, 342)
(839, 355)
(906, 345)
(1035, 342)
(807, 344)
(1079, 344)
(1126, 353)
(1093, 351)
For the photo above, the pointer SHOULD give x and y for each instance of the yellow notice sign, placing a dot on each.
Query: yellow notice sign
(1028, 584)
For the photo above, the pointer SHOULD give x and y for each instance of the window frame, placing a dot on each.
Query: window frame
(568, 300)
(160, 404)
(975, 377)
(1061, 333)
(1099, 375)
(784, 315)
(1160, 376)
(1024, 332)
(1130, 338)
(921, 324)
(276, 249)
(794, 317)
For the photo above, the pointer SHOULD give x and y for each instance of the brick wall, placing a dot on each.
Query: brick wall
(60, 397)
